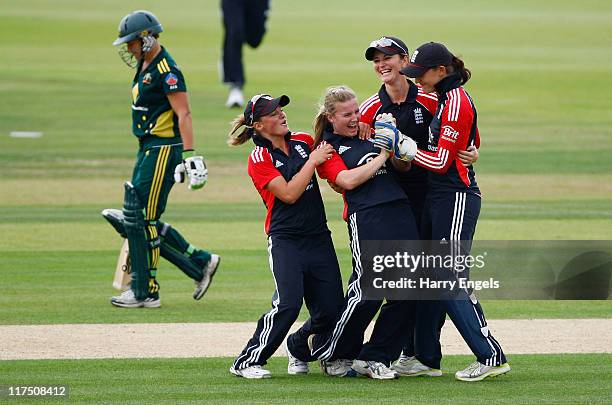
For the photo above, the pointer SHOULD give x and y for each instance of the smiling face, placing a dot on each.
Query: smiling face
(273, 124)
(345, 118)
(387, 67)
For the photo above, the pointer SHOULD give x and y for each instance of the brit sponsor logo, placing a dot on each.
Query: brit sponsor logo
(450, 133)
(418, 115)
(301, 151)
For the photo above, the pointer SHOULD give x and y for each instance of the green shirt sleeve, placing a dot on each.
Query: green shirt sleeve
(173, 81)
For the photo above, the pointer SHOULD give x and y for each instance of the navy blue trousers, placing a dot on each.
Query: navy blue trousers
(453, 216)
(417, 203)
(305, 268)
(244, 21)
(345, 341)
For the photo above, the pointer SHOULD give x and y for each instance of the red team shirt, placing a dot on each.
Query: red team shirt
(452, 129)
(307, 214)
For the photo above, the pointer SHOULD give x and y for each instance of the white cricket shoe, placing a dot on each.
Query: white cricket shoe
(336, 368)
(295, 365)
(235, 99)
(128, 300)
(478, 371)
(411, 367)
(209, 272)
(374, 369)
(252, 373)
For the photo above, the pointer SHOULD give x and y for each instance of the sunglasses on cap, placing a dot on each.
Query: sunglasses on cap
(384, 42)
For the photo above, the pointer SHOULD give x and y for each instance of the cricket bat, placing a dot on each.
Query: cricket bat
(123, 272)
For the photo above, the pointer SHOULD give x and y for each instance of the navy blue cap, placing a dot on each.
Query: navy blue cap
(426, 56)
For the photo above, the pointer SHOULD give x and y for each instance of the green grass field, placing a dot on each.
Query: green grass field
(535, 378)
(541, 84)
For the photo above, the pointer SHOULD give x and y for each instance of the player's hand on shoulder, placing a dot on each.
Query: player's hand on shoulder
(321, 153)
(365, 131)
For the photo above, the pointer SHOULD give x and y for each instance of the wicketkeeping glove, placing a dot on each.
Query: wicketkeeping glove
(192, 167)
(384, 138)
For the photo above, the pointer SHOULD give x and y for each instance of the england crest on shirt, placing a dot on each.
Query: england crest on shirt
(301, 151)
(418, 115)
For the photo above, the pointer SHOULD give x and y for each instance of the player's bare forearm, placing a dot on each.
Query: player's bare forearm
(179, 102)
(290, 191)
(186, 129)
(352, 178)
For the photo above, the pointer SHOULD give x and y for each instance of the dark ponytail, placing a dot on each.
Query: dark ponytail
(457, 66)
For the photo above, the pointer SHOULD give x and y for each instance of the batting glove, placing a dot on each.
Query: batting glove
(192, 167)
(388, 137)
(385, 132)
(384, 137)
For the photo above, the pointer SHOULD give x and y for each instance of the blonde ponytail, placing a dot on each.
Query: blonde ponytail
(243, 136)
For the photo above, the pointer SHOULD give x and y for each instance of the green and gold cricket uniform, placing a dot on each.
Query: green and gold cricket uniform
(155, 125)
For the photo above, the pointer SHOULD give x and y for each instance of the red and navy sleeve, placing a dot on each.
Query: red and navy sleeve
(369, 108)
(427, 100)
(261, 168)
(330, 169)
(456, 123)
(304, 137)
